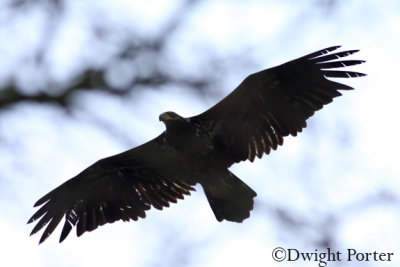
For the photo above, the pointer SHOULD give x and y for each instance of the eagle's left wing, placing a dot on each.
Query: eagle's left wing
(273, 103)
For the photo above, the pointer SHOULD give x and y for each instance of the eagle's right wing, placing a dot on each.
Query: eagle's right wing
(119, 187)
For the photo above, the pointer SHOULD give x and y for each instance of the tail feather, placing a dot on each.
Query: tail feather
(229, 197)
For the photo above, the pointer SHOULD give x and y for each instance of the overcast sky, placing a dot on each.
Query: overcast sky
(341, 176)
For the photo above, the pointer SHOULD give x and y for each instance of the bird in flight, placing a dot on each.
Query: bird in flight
(250, 121)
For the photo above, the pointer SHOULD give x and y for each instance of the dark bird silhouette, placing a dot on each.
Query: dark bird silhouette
(250, 121)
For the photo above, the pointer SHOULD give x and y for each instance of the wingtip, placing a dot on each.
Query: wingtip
(329, 49)
(41, 201)
(43, 238)
(62, 238)
(350, 52)
(34, 231)
(321, 52)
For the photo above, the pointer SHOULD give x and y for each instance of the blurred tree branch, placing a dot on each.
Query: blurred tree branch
(95, 78)
(92, 80)
(131, 51)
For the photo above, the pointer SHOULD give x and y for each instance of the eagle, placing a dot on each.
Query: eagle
(248, 123)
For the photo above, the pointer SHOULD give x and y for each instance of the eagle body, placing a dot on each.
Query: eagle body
(248, 123)
(229, 197)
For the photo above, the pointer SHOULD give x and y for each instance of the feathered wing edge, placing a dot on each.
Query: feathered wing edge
(273, 103)
(88, 216)
(319, 92)
(101, 195)
(326, 61)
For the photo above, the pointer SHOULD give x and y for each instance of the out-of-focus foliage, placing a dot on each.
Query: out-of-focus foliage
(70, 46)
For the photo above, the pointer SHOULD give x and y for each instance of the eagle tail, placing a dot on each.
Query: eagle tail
(229, 197)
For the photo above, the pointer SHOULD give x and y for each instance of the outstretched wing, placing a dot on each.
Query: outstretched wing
(276, 102)
(123, 187)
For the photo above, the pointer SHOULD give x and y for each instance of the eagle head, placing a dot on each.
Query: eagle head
(170, 118)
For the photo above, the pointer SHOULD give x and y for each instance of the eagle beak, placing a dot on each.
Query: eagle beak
(164, 117)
